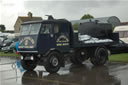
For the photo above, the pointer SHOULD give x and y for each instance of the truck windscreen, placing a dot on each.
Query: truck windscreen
(30, 29)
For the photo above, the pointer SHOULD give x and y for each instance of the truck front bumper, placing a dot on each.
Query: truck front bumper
(28, 51)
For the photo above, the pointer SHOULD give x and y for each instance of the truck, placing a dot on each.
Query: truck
(50, 42)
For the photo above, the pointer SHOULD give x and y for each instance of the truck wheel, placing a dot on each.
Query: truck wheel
(52, 62)
(79, 56)
(99, 56)
(28, 64)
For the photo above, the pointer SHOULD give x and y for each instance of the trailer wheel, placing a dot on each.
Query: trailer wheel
(29, 64)
(100, 56)
(52, 62)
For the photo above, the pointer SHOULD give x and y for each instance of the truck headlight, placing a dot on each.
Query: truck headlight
(21, 57)
(32, 58)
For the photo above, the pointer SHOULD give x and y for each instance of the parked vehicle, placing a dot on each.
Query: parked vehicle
(9, 41)
(50, 41)
(120, 47)
(11, 48)
(123, 32)
(2, 39)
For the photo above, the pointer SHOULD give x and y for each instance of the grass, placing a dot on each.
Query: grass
(9, 54)
(119, 57)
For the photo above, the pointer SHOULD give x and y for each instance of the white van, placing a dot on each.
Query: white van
(123, 32)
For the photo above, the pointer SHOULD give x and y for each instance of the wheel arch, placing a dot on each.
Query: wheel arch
(51, 50)
(58, 51)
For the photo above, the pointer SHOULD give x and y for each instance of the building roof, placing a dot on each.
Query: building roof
(26, 18)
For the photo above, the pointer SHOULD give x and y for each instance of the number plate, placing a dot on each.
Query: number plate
(27, 58)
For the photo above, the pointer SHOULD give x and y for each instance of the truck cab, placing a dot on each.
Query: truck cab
(39, 37)
(41, 40)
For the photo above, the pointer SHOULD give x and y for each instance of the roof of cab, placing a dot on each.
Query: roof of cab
(41, 21)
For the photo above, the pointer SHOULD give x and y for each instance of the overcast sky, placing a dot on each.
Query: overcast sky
(69, 9)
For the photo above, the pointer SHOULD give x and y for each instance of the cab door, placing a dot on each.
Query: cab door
(63, 37)
(54, 35)
(46, 38)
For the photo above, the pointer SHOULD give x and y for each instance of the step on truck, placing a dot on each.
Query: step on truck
(47, 43)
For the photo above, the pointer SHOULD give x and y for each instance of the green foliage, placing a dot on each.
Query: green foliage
(87, 16)
(75, 26)
(113, 28)
(2, 28)
(119, 57)
(9, 54)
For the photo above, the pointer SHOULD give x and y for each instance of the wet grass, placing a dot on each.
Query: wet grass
(9, 54)
(119, 57)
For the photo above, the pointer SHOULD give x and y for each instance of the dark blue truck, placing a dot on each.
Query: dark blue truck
(47, 43)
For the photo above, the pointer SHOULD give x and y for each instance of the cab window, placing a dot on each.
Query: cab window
(49, 28)
(46, 29)
(56, 28)
(30, 29)
(34, 29)
(24, 30)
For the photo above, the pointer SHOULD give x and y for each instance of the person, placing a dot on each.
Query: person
(17, 43)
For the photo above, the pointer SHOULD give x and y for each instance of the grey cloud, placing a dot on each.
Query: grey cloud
(59, 8)
(67, 9)
(8, 4)
(0, 0)
(70, 9)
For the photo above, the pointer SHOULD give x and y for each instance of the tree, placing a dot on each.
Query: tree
(87, 16)
(2, 28)
(75, 26)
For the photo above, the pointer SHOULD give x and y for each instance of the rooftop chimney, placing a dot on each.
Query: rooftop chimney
(30, 14)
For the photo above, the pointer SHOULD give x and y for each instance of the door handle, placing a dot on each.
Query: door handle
(51, 35)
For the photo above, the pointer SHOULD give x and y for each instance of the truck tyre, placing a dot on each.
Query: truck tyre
(99, 57)
(29, 64)
(79, 56)
(52, 62)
